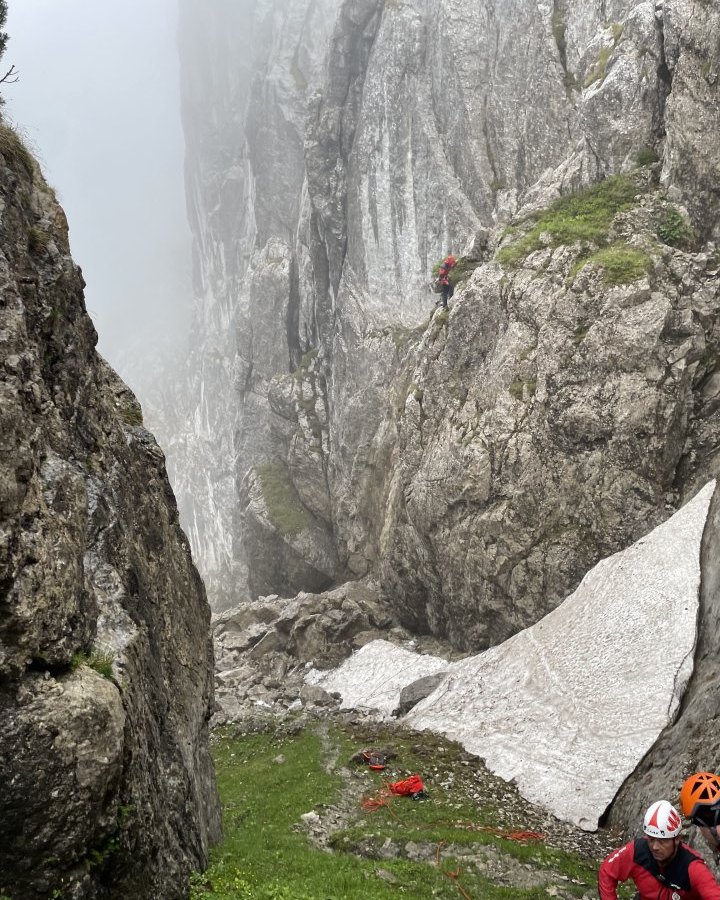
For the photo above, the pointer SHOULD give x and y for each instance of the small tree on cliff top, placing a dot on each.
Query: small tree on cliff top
(11, 75)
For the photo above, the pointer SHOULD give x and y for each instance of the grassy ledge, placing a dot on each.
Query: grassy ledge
(421, 849)
(621, 263)
(99, 660)
(585, 216)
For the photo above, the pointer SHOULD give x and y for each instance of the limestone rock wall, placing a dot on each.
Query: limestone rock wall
(105, 661)
(552, 417)
(478, 465)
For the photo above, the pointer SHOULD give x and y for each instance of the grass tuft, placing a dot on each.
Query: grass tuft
(621, 263)
(15, 152)
(38, 242)
(673, 229)
(585, 216)
(646, 157)
(99, 660)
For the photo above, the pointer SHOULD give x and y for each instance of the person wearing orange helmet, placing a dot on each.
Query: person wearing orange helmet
(700, 801)
(662, 867)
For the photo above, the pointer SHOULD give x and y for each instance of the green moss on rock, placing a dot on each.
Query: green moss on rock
(284, 507)
(621, 263)
(585, 216)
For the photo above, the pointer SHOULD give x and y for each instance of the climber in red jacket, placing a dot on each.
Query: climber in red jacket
(662, 867)
(444, 278)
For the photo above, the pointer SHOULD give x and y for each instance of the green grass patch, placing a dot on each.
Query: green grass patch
(15, 152)
(585, 216)
(462, 270)
(131, 413)
(621, 263)
(99, 660)
(646, 157)
(674, 230)
(266, 783)
(38, 241)
(283, 503)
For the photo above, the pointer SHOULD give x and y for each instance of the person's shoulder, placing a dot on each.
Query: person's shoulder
(621, 851)
(691, 853)
(700, 875)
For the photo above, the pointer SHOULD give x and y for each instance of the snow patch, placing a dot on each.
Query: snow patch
(375, 674)
(568, 707)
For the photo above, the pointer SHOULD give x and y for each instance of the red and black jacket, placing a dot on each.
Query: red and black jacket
(685, 877)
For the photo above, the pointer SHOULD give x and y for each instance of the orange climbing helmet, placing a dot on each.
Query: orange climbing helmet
(699, 790)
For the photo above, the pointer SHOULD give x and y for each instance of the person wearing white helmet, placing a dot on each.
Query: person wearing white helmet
(660, 864)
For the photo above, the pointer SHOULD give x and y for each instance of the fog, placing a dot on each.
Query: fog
(98, 102)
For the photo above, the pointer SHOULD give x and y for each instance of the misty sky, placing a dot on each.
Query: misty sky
(98, 101)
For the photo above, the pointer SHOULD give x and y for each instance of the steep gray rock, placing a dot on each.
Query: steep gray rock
(553, 416)
(327, 170)
(479, 463)
(692, 113)
(105, 661)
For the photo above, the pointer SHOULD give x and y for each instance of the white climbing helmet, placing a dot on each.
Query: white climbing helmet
(662, 820)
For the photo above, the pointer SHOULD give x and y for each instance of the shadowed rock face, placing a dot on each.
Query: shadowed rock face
(107, 783)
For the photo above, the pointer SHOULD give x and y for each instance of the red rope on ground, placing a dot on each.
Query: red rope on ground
(453, 876)
(382, 798)
(503, 832)
(373, 803)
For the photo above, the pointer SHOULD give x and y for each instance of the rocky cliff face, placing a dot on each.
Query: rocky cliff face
(105, 664)
(474, 463)
(479, 464)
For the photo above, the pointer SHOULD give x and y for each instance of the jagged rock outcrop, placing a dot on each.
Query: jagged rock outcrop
(105, 660)
(265, 648)
(551, 418)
